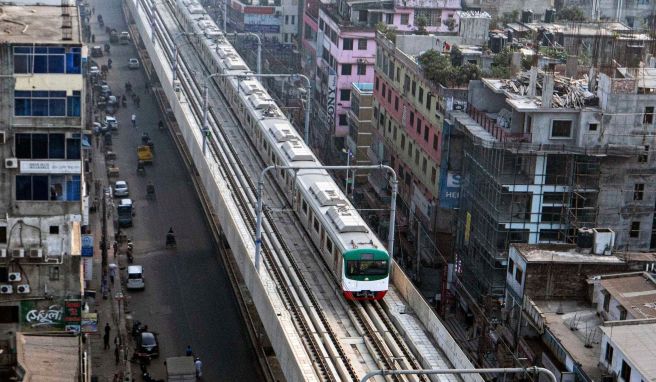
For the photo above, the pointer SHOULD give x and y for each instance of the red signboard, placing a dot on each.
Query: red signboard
(259, 10)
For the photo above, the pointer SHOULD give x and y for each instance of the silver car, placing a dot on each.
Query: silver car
(121, 188)
(133, 63)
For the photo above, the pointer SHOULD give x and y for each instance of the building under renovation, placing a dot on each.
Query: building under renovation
(545, 155)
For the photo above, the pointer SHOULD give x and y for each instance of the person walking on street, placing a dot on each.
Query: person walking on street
(106, 340)
(112, 275)
(93, 38)
(137, 101)
(189, 352)
(116, 354)
(199, 367)
(134, 121)
(115, 248)
(108, 329)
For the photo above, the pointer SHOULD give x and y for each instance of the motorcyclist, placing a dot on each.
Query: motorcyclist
(170, 236)
(109, 63)
(160, 124)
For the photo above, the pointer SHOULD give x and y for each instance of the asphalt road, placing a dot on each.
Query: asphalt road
(188, 299)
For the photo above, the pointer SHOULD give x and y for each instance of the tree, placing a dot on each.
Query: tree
(421, 24)
(456, 56)
(437, 68)
(501, 65)
(450, 24)
(571, 14)
(390, 33)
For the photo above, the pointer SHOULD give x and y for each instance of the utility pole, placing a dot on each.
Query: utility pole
(103, 240)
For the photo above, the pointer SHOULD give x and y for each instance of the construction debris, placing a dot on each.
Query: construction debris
(567, 93)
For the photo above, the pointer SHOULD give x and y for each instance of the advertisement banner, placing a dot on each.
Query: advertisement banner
(87, 263)
(89, 323)
(449, 189)
(50, 167)
(72, 315)
(332, 93)
(256, 28)
(46, 315)
(87, 245)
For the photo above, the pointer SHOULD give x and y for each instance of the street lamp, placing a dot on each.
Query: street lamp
(175, 54)
(348, 167)
(260, 186)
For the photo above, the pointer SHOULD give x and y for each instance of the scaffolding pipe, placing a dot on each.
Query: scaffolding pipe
(510, 370)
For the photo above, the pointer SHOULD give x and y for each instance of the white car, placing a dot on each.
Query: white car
(111, 122)
(94, 71)
(133, 63)
(121, 188)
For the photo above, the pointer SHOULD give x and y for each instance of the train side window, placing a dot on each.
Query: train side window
(329, 245)
(323, 235)
(315, 224)
(304, 207)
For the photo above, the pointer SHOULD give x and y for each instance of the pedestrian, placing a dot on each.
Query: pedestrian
(116, 354)
(106, 340)
(146, 87)
(117, 341)
(112, 274)
(103, 289)
(134, 121)
(189, 352)
(108, 329)
(137, 101)
(199, 367)
(93, 38)
(115, 245)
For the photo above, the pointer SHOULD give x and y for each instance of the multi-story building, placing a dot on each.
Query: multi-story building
(636, 14)
(360, 116)
(41, 172)
(497, 8)
(274, 19)
(345, 48)
(537, 167)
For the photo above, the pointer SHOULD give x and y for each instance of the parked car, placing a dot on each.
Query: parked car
(94, 71)
(121, 188)
(105, 90)
(133, 63)
(124, 38)
(147, 345)
(97, 51)
(111, 122)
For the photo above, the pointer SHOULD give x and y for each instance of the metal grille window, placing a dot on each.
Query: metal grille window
(347, 44)
(362, 69)
(433, 16)
(346, 69)
(362, 44)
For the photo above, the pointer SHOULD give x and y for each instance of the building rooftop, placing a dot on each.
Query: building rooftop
(38, 24)
(636, 293)
(575, 324)
(647, 76)
(581, 29)
(636, 342)
(37, 354)
(561, 253)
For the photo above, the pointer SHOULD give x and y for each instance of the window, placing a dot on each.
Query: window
(608, 356)
(418, 126)
(293, 19)
(405, 19)
(362, 16)
(376, 82)
(638, 191)
(414, 88)
(322, 25)
(421, 94)
(561, 129)
(426, 134)
(518, 275)
(362, 44)
(54, 230)
(39, 59)
(342, 120)
(46, 104)
(433, 175)
(511, 265)
(47, 146)
(347, 44)
(304, 206)
(424, 166)
(623, 312)
(315, 224)
(402, 142)
(384, 90)
(286, 19)
(412, 118)
(362, 69)
(435, 141)
(346, 69)
(3, 234)
(366, 267)
(625, 373)
(606, 300)
(635, 230)
(389, 95)
(593, 126)
(410, 149)
(48, 187)
(396, 103)
(329, 245)
(389, 18)
(644, 157)
(394, 134)
(344, 94)
(9, 314)
(417, 156)
(648, 117)
(53, 273)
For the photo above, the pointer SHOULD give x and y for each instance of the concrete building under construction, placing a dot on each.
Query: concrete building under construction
(544, 156)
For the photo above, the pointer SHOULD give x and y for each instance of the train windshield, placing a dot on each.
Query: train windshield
(366, 267)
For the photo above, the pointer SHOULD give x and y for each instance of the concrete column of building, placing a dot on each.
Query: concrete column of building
(536, 198)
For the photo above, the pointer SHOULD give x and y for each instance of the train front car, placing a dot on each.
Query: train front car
(365, 274)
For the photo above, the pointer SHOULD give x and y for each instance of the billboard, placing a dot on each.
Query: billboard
(331, 98)
(449, 189)
(262, 23)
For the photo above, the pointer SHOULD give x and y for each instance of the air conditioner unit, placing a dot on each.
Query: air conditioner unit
(6, 289)
(18, 252)
(3, 252)
(11, 162)
(36, 252)
(23, 288)
(14, 276)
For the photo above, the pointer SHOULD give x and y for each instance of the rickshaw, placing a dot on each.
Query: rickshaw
(141, 168)
(150, 191)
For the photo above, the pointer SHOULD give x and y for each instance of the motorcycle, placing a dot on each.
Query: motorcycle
(170, 240)
(147, 378)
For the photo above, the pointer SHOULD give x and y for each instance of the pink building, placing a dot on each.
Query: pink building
(341, 38)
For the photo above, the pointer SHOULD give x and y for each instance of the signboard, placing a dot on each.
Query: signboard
(87, 245)
(89, 322)
(467, 227)
(331, 99)
(261, 28)
(87, 263)
(449, 189)
(72, 315)
(259, 10)
(50, 167)
(42, 315)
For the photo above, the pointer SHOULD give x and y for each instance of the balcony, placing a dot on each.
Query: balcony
(502, 134)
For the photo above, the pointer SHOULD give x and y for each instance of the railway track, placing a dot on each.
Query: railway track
(385, 344)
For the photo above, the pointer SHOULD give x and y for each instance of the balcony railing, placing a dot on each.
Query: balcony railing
(490, 125)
